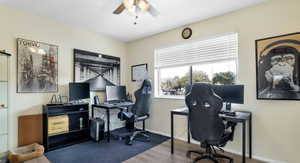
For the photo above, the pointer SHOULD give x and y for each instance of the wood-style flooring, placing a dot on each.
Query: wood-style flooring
(161, 154)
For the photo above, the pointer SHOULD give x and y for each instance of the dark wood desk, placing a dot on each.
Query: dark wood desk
(240, 117)
(108, 107)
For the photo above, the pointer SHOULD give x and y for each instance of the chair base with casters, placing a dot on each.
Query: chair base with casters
(139, 135)
(210, 154)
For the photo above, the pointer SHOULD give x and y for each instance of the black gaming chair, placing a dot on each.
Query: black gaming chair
(139, 112)
(205, 124)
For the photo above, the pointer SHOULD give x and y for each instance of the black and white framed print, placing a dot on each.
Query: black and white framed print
(278, 67)
(97, 69)
(139, 72)
(37, 70)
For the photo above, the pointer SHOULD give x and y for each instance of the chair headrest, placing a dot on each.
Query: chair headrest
(201, 90)
(202, 94)
(146, 87)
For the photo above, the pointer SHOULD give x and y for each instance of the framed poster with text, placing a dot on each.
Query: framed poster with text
(37, 70)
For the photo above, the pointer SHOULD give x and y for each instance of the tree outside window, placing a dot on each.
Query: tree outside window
(173, 81)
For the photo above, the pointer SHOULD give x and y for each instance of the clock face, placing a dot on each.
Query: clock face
(186, 33)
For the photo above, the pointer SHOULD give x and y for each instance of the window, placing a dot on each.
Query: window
(210, 72)
(212, 60)
(173, 81)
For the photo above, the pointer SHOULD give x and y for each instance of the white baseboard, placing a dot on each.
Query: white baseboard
(225, 149)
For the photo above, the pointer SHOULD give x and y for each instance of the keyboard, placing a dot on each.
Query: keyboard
(124, 103)
(228, 113)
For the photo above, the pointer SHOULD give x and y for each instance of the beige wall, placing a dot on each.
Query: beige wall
(276, 130)
(16, 24)
(275, 122)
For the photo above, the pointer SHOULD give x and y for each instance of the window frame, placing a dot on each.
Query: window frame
(157, 74)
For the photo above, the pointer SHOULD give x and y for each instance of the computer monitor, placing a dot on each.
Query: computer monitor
(115, 93)
(230, 94)
(79, 91)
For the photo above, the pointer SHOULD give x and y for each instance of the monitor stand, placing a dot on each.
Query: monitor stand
(227, 110)
(228, 106)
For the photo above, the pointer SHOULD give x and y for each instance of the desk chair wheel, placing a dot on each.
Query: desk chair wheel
(188, 153)
(142, 136)
(129, 140)
(136, 135)
(209, 154)
(223, 157)
(212, 158)
(207, 157)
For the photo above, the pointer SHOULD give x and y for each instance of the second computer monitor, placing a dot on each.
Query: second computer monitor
(230, 94)
(115, 93)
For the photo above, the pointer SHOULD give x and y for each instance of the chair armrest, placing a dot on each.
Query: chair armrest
(123, 108)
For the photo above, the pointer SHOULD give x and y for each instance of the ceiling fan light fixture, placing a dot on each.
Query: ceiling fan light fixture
(129, 3)
(135, 7)
(132, 10)
(143, 5)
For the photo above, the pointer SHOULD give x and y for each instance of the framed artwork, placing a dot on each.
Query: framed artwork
(278, 67)
(97, 69)
(139, 72)
(37, 70)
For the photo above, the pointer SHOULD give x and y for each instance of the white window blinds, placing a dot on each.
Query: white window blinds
(219, 48)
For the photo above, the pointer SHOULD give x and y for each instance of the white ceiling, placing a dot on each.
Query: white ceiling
(96, 15)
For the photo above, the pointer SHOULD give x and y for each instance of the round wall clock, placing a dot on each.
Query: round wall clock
(186, 33)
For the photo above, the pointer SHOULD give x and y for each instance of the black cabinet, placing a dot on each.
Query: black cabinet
(78, 115)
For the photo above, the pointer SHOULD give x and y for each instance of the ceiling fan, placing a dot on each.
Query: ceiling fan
(135, 6)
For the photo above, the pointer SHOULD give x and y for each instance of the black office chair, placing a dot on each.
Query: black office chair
(139, 112)
(205, 124)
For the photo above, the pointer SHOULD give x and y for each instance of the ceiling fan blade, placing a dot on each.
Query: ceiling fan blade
(119, 9)
(153, 11)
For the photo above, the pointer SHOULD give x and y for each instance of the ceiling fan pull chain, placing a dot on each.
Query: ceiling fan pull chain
(135, 21)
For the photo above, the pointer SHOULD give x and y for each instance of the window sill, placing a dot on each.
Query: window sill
(169, 97)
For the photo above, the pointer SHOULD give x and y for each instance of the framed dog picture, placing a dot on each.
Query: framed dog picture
(278, 67)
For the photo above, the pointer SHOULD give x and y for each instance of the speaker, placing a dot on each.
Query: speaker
(97, 129)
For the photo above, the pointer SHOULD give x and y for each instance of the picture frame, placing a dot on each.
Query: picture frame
(139, 72)
(278, 67)
(98, 69)
(37, 67)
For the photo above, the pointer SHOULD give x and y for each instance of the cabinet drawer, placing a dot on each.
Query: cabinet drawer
(58, 124)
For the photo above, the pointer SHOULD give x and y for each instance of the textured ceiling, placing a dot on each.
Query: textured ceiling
(96, 15)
